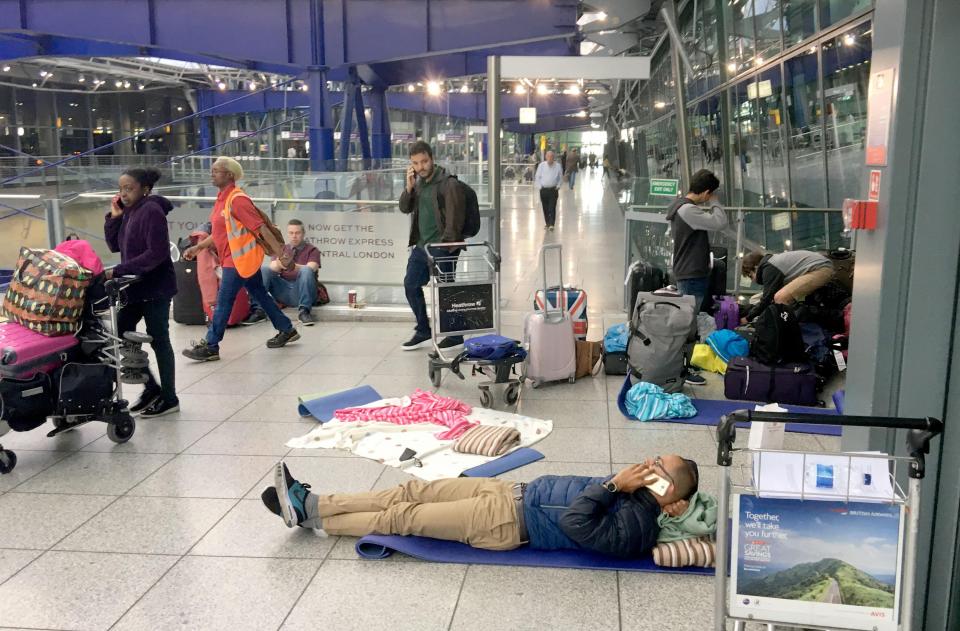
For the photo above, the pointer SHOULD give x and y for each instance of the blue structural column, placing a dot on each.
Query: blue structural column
(320, 129)
(382, 148)
(346, 123)
(205, 141)
(362, 127)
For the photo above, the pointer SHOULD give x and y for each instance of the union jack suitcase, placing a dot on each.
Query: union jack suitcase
(572, 301)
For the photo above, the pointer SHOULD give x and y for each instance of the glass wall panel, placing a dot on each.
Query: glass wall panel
(738, 21)
(705, 137)
(769, 91)
(769, 28)
(846, 75)
(805, 144)
(833, 11)
(799, 20)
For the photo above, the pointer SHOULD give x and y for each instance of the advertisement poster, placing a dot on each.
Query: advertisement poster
(817, 562)
(466, 307)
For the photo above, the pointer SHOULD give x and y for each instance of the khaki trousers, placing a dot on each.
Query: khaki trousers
(802, 286)
(480, 512)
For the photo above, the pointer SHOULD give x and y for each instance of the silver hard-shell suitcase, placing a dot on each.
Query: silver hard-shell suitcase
(548, 336)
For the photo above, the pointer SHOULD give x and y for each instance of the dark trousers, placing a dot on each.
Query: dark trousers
(230, 284)
(418, 275)
(548, 197)
(156, 314)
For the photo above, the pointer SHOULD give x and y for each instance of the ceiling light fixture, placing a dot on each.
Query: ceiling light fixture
(126, 84)
(543, 89)
(221, 85)
(119, 84)
(6, 68)
(433, 88)
(411, 88)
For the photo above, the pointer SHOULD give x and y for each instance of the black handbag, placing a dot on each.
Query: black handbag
(26, 403)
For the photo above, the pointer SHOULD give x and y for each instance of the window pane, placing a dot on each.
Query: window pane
(806, 134)
(833, 11)
(769, 29)
(846, 75)
(769, 90)
(738, 20)
(798, 20)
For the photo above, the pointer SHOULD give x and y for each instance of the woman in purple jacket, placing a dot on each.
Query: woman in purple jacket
(136, 226)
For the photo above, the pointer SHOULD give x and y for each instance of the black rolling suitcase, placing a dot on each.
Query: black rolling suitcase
(188, 303)
(643, 277)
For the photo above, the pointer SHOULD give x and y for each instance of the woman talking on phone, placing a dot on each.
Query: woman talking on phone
(136, 227)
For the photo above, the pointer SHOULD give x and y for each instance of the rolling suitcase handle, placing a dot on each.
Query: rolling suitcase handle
(543, 263)
(922, 430)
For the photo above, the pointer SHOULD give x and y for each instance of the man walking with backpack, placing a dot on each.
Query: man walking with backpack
(444, 210)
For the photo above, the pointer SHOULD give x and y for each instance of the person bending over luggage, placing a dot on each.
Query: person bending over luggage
(786, 278)
(136, 227)
(295, 284)
(240, 259)
(616, 516)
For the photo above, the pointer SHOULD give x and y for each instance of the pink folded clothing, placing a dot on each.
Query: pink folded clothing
(419, 407)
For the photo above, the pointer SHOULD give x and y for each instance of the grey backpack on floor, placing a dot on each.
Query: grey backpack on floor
(660, 328)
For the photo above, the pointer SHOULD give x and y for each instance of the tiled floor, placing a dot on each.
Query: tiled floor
(167, 531)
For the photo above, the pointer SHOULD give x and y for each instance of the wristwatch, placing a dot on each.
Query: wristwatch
(611, 486)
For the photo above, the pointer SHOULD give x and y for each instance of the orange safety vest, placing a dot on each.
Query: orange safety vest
(247, 254)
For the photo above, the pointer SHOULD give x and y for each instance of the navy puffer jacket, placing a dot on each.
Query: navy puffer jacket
(576, 512)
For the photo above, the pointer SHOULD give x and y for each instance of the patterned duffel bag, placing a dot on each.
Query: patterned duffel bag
(46, 292)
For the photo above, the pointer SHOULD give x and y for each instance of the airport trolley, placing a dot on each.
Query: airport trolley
(466, 301)
(800, 500)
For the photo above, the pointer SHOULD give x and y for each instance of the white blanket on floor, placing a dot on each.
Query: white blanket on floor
(385, 442)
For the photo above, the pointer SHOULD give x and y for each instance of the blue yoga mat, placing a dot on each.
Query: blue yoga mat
(382, 546)
(509, 462)
(323, 408)
(710, 411)
(839, 400)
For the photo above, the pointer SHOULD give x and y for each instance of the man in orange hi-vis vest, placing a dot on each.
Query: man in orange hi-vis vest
(235, 222)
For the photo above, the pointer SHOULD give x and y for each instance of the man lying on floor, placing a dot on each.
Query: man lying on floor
(616, 516)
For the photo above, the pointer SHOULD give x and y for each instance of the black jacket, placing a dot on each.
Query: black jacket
(454, 211)
(576, 512)
(772, 279)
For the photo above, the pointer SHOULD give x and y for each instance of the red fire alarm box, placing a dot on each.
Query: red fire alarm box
(860, 214)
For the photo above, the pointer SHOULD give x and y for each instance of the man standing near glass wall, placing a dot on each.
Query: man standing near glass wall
(689, 224)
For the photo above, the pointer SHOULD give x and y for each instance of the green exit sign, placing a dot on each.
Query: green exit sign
(667, 188)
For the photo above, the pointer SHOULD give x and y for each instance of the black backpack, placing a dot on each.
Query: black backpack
(471, 220)
(777, 336)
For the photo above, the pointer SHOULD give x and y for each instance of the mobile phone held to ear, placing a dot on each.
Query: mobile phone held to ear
(118, 201)
(659, 486)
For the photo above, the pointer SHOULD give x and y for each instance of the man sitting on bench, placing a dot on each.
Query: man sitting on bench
(616, 516)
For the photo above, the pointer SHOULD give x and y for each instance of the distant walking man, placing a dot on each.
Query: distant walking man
(548, 178)
(572, 167)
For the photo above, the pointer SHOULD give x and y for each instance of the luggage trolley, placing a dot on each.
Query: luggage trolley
(811, 499)
(468, 302)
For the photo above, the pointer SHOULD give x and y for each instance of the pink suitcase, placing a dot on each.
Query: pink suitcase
(549, 337)
(24, 353)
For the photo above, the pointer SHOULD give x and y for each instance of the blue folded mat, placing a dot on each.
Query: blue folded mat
(322, 408)
(840, 400)
(382, 546)
(709, 413)
(509, 462)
